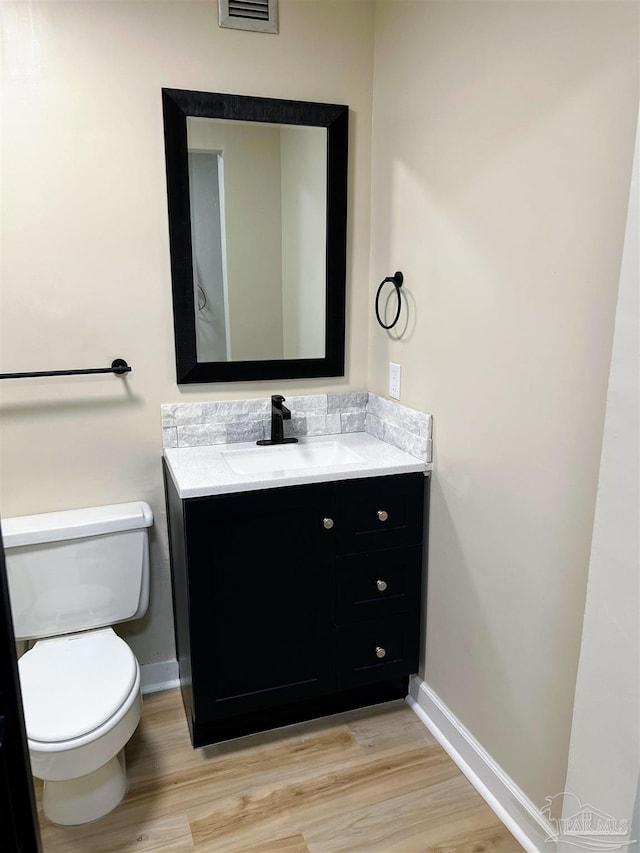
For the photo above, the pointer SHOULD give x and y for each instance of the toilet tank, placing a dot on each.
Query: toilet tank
(78, 569)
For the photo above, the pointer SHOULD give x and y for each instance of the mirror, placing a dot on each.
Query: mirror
(257, 195)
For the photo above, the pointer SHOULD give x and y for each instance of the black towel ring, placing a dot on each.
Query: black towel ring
(397, 280)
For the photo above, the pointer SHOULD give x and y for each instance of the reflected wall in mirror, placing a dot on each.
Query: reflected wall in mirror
(258, 217)
(257, 192)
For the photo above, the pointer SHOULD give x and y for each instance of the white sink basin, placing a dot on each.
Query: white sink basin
(289, 457)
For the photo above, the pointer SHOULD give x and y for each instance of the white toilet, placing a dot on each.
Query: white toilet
(72, 575)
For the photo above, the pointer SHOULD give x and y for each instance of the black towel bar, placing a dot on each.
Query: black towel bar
(118, 366)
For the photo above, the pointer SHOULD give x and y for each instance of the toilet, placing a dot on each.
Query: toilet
(72, 575)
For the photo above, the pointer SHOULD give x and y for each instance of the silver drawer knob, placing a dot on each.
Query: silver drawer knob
(383, 515)
(328, 523)
(382, 585)
(380, 652)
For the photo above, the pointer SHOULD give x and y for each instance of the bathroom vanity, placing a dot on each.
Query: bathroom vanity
(297, 593)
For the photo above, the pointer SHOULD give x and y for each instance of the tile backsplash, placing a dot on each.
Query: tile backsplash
(227, 421)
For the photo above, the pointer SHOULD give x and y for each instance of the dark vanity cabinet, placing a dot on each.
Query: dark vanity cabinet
(295, 602)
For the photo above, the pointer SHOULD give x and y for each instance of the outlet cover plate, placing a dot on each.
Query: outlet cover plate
(394, 380)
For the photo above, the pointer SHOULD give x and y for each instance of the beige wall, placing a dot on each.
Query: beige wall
(502, 146)
(85, 256)
(254, 246)
(604, 757)
(304, 228)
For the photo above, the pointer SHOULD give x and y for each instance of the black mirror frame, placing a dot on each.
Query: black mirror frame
(178, 104)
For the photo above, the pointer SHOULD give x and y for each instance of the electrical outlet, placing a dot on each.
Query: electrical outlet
(394, 380)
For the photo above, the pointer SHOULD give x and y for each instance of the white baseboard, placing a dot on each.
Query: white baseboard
(518, 813)
(159, 676)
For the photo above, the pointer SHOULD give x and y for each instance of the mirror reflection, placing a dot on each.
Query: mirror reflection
(258, 210)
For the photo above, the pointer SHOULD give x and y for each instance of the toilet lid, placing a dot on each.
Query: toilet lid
(71, 685)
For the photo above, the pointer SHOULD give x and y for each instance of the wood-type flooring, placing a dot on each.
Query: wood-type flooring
(367, 781)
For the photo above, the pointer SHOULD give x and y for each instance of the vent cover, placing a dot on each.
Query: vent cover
(257, 15)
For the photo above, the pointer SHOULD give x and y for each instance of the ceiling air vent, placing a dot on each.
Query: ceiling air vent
(257, 15)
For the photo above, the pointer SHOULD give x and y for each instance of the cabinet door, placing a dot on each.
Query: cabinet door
(261, 599)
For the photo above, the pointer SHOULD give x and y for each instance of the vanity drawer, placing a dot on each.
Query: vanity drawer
(380, 512)
(378, 583)
(377, 649)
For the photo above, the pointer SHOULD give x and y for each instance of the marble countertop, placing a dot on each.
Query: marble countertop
(202, 471)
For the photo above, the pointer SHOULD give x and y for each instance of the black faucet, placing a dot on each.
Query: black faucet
(279, 414)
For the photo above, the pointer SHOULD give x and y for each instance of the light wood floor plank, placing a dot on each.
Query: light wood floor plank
(344, 785)
(292, 844)
(156, 835)
(419, 820)
(390, 726)
(368, 781)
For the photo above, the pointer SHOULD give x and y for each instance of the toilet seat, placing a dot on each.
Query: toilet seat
(74, 684)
